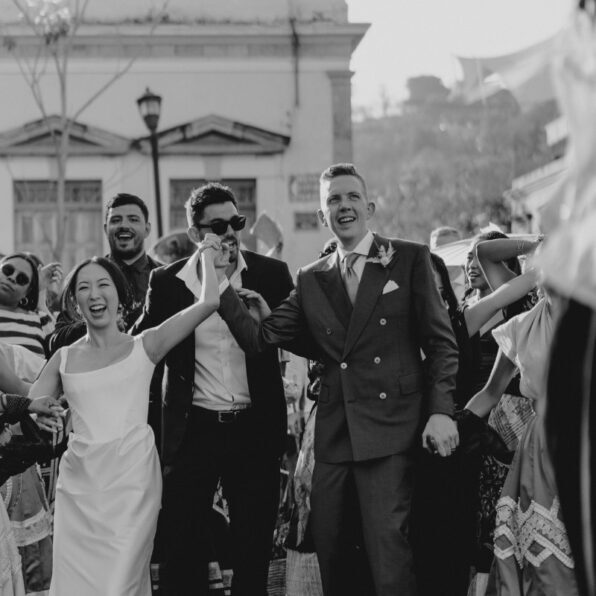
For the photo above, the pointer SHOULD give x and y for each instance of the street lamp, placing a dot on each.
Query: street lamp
(150, 109)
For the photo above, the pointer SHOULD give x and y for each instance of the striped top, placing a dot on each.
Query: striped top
(27, 329)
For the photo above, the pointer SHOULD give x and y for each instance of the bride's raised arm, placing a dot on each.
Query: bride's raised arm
(159, 340)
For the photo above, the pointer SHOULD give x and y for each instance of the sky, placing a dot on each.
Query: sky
(413, 37)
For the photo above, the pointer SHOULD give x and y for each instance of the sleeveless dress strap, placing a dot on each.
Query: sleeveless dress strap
(63, 353)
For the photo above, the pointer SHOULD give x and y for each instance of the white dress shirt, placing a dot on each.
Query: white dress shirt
(362, 248)
(220, 381)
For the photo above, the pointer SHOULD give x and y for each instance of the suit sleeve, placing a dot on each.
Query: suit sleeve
(282, 328)
(437, 338)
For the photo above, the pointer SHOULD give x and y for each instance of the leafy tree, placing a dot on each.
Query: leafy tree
(442, 162)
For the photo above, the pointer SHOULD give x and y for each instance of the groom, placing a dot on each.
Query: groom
(368, 311)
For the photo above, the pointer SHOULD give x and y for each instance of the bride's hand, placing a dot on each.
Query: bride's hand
(46, 406)
(49, 424)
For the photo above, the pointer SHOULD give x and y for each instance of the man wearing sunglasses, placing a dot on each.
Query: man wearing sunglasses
(224, 415)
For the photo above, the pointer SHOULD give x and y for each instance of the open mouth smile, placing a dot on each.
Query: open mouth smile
(345, 219)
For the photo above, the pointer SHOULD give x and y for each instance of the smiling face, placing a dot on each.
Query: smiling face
(345, 209)
(126, 229)
(222, 212)
(476, 278)
(96, 296)
(11, 292)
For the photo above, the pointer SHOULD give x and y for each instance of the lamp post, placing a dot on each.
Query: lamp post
(150, 109)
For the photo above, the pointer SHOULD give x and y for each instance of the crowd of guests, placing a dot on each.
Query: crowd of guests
(448, 446)
(486, 519)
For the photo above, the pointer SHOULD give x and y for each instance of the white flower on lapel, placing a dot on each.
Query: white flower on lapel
(384, 256)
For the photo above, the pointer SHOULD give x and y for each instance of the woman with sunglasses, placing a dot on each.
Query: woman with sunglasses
(22, 324)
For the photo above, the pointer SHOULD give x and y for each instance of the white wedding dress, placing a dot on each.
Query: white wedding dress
(109, 485)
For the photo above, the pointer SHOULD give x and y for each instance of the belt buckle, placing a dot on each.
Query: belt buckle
(225, 417)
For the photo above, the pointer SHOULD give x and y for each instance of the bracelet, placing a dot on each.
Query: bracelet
(14, 406)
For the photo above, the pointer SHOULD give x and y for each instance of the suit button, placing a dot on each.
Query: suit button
(377, 360)
(383, 321)
(328, 331)
(343, 366)
(382, 395)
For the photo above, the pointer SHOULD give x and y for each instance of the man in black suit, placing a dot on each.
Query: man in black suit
(224, 414)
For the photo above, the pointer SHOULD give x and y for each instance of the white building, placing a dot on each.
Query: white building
(256, 93)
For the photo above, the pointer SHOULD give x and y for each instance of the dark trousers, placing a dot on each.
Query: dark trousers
(250, 478)
(443, 522)
(383, 488)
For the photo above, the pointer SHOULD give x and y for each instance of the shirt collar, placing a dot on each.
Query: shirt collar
(362, 248)
(188, 273)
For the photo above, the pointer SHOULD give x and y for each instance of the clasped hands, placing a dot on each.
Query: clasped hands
(212, 246)
(440, 435)
(49, 412)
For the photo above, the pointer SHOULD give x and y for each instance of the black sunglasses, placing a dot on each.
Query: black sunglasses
(21, 279)
(220, 226)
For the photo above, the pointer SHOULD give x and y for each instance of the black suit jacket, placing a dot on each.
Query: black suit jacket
(167, 295)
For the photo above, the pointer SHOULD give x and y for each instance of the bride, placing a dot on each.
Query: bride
(109, 485)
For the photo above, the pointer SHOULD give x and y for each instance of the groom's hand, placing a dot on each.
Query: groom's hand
(440, 435)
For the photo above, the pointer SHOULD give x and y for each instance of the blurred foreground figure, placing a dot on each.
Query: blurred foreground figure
(569, 262)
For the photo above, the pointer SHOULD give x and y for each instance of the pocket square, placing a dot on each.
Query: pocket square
(390, 286)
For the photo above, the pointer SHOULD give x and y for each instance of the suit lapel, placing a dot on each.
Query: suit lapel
(333, 286)
(249, 275)
(374, 278)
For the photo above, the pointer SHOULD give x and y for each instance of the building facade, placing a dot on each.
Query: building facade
(255, 94)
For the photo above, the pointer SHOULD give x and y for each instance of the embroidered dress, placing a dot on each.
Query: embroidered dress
(532, 552)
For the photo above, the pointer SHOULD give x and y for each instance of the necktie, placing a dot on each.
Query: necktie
(349, 275)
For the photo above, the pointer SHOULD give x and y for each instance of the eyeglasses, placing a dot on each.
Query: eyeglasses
(21, 279)
(220, 226)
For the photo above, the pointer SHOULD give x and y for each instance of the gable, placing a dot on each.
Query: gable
(216, 135)
(40, 137)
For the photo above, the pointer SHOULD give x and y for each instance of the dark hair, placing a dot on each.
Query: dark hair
(68, 300)
(342, 169)
(448, 293)
(123, 198)
(512, 264)
(571, 395)
(212, 193)
(31, 298)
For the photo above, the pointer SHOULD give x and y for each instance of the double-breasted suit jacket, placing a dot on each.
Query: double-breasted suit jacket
(389, 361)
(167, 295)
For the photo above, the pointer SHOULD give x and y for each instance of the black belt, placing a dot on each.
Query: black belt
(222, 416)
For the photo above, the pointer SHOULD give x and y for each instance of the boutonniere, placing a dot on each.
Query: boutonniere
(384, 256)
